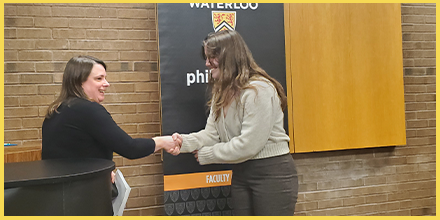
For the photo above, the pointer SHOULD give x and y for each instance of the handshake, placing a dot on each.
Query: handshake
(171, 143)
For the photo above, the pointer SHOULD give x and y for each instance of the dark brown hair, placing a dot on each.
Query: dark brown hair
(237, 67)
(75, 74)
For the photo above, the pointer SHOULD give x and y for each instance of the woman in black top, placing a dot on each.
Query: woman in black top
(77, 125)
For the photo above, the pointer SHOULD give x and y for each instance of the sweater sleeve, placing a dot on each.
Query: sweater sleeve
(257, 124)
(107, 133)
(206, 137)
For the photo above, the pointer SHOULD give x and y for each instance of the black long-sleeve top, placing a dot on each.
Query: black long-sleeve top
(86, 129)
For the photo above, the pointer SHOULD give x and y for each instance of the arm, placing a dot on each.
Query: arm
(108, 134)
(206, 137)
(257, 124)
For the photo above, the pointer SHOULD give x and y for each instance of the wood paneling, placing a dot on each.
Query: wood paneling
(22, 154)
(344, 62)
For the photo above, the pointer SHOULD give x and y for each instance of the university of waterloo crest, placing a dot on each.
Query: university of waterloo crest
(223, 20)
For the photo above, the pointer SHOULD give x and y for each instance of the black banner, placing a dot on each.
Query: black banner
(183, 74)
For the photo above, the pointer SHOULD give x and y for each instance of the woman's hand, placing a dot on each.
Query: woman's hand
(113, 177)
(196, 155)
(168, 144)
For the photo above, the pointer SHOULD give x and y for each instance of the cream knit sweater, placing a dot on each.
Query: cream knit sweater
(250, 130)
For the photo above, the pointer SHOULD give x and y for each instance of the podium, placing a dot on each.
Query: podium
(58, 187)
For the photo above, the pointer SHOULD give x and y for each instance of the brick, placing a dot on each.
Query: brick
(85, 44)
(132, 13)
(117, 23)
(32, 122)
(84, 23)
(36, 100)
(100, 12)
(323, 204)
(34, 10)
(425, 97)
(149, 128)
(129, 129)
(147, 86)
(118, 108)
(118, 45)
(19, 44)
(420, 159)
(426, 115)
(142, 24)
(418, 54)
(430, 106)
(134, 77)
(18, 22)
(130, 171)
(49, 89)
(407, 168)
(11, 101)
(12, 123)
(21, 112)
(376, 198)
(51, 22)
(375, 180)
(151, 191)
(133, 34)
(103, 55)
(139, 180)
(152, 169)
(50, 67)
(14, 67)
(10, 9)
(34, 33)
(427, 167)
(417, 141)
(417, 123)
(148, 107)
(424, 62)
(52, 44)
(68, 12)
(21, 134)
(102, 34)
(141, 202)
(36, 78)
(10, 33)
(65, 55)
(126, 98)
(413, 19)
(35, 55)
(306, 206)
(20, 90)
(415, 106)
(146, 45)
(69, 33)
(132, 118)
(11, 55)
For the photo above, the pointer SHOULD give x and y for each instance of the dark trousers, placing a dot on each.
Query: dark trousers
(265, 187)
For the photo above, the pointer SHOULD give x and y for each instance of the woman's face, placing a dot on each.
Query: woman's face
(96, 83)
(212, 64)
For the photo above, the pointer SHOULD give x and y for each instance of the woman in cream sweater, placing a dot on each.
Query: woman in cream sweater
(245, 128)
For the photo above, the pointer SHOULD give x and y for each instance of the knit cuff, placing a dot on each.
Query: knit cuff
(206, 156)
(189, 143)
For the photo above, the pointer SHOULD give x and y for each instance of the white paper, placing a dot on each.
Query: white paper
(123, 191)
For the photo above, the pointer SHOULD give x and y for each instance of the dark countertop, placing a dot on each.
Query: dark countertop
(53, 171)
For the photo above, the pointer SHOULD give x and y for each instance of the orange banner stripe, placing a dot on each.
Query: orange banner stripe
(197, 180)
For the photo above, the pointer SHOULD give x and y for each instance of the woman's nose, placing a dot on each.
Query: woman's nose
(106, 83)
(207, 63)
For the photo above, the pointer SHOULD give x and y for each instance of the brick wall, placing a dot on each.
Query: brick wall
(397, 180)
(40, 38)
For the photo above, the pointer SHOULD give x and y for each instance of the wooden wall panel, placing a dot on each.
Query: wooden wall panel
(346, 74)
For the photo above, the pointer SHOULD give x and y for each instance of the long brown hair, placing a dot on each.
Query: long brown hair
(237, 67)
(75, 74)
